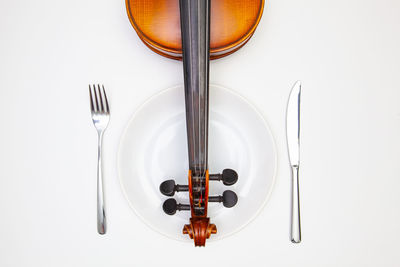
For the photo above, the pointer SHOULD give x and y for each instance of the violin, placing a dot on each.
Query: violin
(196, 31)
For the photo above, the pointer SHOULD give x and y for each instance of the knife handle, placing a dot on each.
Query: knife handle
(295, 233)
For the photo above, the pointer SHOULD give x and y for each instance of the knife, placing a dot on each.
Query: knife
(293, 142)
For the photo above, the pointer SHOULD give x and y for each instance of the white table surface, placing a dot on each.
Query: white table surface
(346, 52)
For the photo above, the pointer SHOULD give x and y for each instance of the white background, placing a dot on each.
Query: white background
(346, 52)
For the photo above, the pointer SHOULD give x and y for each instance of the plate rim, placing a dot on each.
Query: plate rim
(216, 237)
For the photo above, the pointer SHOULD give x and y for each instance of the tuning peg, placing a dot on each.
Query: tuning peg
(168, 188)
(228, 198)
(170, 206)
(228, 177)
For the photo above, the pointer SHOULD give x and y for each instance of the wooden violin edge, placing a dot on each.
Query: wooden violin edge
(165, 39)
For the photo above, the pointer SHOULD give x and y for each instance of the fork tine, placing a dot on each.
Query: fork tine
(95, 97)
(100, 98)
(91, 99)
(106, 101)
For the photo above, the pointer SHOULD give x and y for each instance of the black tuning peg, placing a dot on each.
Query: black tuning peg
(228, 177)
(168, 188)
(228, 198)
(170, 206)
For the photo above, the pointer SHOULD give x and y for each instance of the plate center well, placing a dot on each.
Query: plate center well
(154, 148)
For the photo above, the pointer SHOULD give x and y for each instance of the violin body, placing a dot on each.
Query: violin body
(196, 31)
(157, 23)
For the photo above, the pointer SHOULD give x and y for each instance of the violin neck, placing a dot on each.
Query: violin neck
(195, 28)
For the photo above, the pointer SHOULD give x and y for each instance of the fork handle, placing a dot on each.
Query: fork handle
(101, 215)
(295, 232)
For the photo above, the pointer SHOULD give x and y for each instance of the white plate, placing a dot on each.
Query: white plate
(153, 148)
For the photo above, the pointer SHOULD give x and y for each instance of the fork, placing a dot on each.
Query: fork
(100, 116)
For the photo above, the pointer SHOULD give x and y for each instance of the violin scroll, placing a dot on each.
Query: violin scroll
(199, 230)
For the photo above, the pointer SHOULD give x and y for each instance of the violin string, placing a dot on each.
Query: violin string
(204, 116)
(198, 164)
(196, 156)
(184, 9)
(200, 145)
(205, 109)
(201, 150)
(194, 174)
(207, 88)
(200, 124)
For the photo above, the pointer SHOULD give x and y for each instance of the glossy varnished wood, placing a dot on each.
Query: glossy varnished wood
(199, 229)
(196, 31)
(157, 23)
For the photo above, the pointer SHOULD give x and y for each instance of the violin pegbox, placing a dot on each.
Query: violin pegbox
(200, 227)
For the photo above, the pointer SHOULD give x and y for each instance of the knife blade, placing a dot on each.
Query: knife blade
(293, 142)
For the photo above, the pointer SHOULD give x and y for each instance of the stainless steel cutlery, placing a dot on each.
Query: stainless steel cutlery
(100, 116)
(293, 142)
